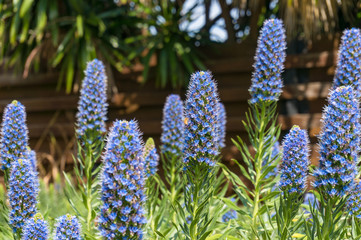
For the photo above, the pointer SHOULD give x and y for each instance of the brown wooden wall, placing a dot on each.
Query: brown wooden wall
(308, 77)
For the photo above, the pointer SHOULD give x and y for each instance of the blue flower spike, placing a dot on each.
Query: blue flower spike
(23, 192)
(353, 204)
(67, 228)
(151, 158)
(36, 228)
(295, 162)
(269, 62)
(14, 134)
(172, 138)
(339, 142)
(222, 120)
(348, 70)
(201, 114)
(122, 183)
(92, 106)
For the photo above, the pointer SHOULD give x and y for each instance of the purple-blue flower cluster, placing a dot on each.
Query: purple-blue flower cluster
(173, 126)
(14, 134)
(92, 106)
(23, 192)
(31, 155)
(231, 214)
(201, 114)
(36, 228)
(269, 62)
(122, 183)
(151, 158)
(348, 70)
(221, 128)
(339, 143)
(353, 203)
(67, 228)
(295, 161)
(309, 199)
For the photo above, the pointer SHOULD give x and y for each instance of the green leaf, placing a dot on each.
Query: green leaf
(25, 6)
(79, 25)
(41, 19)
(69, 74)
(15, 23)
(146, 62)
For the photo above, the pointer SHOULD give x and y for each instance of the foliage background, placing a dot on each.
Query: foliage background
(40, 35)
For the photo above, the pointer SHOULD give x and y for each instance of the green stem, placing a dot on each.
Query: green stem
(258, 167)
(194, 233)
(89, 163)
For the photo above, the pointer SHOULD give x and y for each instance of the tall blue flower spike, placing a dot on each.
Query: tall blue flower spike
(92, 106)
(14, 134)
(348, 70)
(339, 143)
(36, 228)
(269, 62)
(67, 227)
(353, 203)
(173, 126)
(201, 114)
(222, 120)
(32, 157)
(151, 158)
(23, 192)
(122, 183)
(295, 161)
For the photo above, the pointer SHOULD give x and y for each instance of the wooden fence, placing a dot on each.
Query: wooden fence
(50, 113)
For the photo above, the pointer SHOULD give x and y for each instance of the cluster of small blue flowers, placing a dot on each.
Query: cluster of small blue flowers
(269, 62)
(67, 228)
(295, 161)
(309, 199)
(201, 114)
(151, 158)
(122, 191)
(173, 126)
(222, 120)
(231, 214)
(36, 228)
(23, 192)
(31, 155)
(339, 143)
(14, 134)
(348, 70)
(353, 203)
(92, 106)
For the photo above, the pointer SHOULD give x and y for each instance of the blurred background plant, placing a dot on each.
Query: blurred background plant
(39, 35)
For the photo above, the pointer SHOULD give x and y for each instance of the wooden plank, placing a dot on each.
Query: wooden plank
(311, 122)
(234, 124)
(10, 79)
(309, 91)
(303, 91)
(244, 64)
(217, 65)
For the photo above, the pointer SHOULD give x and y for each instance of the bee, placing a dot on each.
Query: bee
(186, 120)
